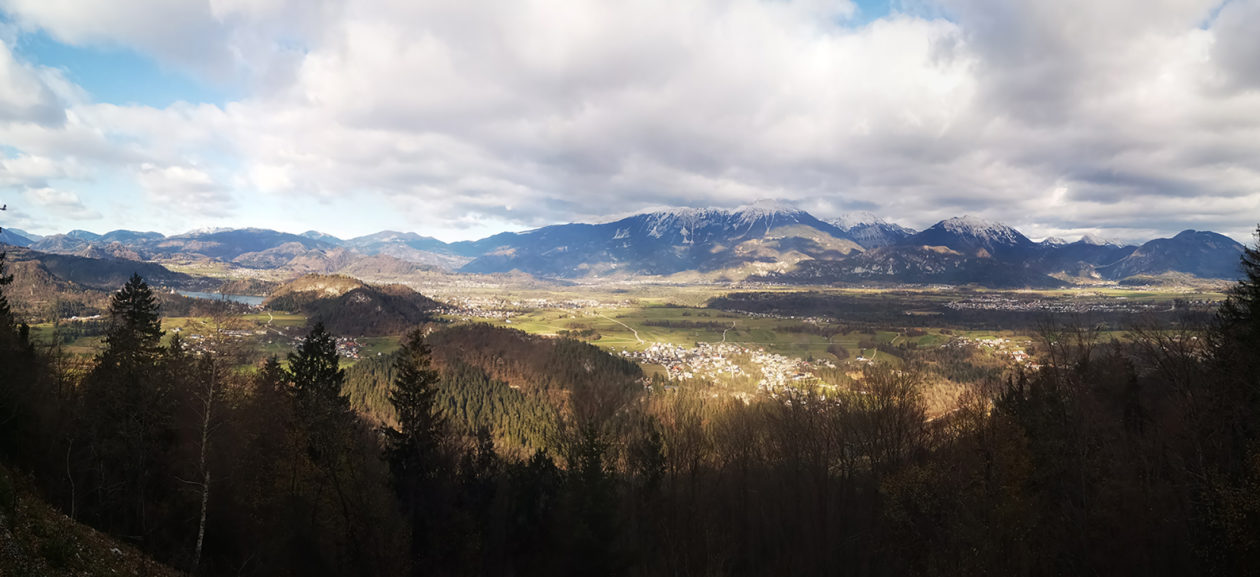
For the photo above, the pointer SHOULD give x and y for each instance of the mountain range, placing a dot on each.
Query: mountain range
(759, 242)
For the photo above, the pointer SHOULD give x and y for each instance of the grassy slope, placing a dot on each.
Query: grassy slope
(37, 540)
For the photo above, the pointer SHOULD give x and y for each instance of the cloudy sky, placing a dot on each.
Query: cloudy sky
(1127, 118)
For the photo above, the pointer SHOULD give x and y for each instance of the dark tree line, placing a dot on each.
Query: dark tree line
(1140, 457)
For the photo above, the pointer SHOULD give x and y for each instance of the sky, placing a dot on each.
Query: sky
(1128, 119)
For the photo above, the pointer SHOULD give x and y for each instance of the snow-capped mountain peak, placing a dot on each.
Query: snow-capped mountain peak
(768, 207)
(765, 211)
(980, 228)
(207, 230)
(850, 220)
(1095, 240)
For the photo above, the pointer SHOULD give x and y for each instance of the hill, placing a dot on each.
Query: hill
(38, 293)
(410, 247)
(100, 273)
(36, 539)
(350, 307)
(1200, 253)
(917, 265)
(508, 381)
(11, 237)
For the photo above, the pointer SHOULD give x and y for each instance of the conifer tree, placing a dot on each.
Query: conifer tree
(129, 413)
(413, 448)
(317, 375)
(272, 377)
(1239, 315)
(414, 398)
(322, 412)
(134, 337)
(1236, 348)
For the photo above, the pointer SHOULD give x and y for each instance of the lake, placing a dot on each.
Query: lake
(252, 301)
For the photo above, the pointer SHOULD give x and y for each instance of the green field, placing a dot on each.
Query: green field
(636, 328)
(630, 318)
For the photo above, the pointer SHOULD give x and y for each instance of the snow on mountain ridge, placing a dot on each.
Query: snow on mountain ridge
(764, 211)
(208, 230)
(980, 228)
(850, 220)
(1095, 240)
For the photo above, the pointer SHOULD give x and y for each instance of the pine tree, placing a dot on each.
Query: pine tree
(1239, 315)
(129, 412)
(323, 412)
(413, 448)
(14, 336)
(414, 397)
(272, 378)
(317, 375)
(134, 337)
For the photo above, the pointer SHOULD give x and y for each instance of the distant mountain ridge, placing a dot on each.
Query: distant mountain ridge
(975, 237)
(767, 241)
(13, 237)
(871, 231)
(1200, 253)
(666, 243)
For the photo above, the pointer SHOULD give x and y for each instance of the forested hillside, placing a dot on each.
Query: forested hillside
(513, 384)
(352, 308)
(475, 450)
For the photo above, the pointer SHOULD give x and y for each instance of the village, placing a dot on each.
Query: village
(730, 363)
(347, 347)
(480, 308)
(1117, 304)
(1002, 347)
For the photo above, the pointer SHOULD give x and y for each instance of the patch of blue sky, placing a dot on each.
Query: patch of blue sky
(870, 10)
(117, 75)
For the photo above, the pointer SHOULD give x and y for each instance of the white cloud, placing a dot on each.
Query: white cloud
(30, 171)
(24, 93)
(186, 190)
(1054, 115)
(64, 204)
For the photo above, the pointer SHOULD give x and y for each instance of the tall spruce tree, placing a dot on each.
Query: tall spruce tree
(134, 337)
(1236, 350)
(317, 375)
(14, 336)
(413, 448)
(322, 411)
(1239, 315)
(129, 417)
(272, 378)
(421, 425)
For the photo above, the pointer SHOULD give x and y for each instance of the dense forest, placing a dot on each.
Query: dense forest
(481, 451)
